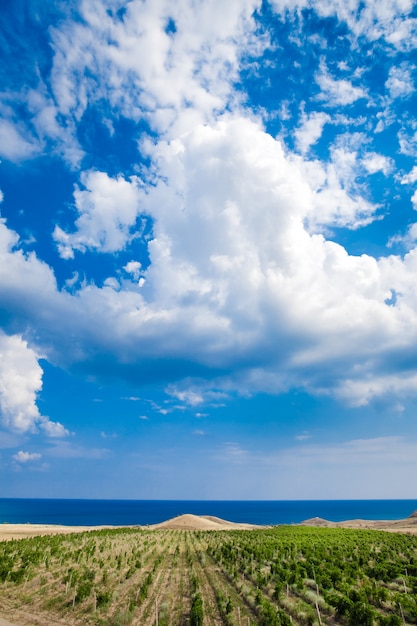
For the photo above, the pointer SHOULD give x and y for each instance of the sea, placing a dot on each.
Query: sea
(143, 512)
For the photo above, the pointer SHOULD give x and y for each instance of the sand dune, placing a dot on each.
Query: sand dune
(202, 522)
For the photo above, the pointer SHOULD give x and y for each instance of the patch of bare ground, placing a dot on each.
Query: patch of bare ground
(24, 531)
(407, 525)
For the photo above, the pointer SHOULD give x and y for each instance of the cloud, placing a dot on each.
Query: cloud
(189, 397)
(26, 457)
(374, 163)
(352, 453)
(52, 429)
(107, 61)
(67, 450)
(108, 208)
(400, 83)
(130, 63)
(337, 92)
(372, 19)
(360, 392)
(245, 288)
(410, 178)
(303, 437)
(20, 383)
(14, 146)
(241, 292)
(134, 268)
(172, 79)
(321, 470)
(407, 240)
(407, 138)
(233, 453)
(310, 130)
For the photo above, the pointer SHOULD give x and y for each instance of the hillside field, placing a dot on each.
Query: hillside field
(280, 576)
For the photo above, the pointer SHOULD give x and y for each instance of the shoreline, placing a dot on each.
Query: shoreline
(189, 521)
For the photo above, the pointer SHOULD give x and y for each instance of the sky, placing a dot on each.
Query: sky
(208, 249)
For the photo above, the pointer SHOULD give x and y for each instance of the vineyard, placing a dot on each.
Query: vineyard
(274, 577)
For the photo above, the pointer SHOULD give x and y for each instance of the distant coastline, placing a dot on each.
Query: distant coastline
(187, 522)
(147, 512)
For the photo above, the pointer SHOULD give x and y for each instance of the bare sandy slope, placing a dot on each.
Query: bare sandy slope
(202, 522)
(408, 525)
(21, 531)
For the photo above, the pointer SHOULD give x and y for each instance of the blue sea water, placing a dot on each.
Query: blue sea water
(142, 512)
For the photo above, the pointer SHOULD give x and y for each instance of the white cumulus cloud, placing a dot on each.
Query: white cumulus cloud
(26, 457)
(374, 163)
(240, 292)
(108, 208)
(20, 383)
(173, 79)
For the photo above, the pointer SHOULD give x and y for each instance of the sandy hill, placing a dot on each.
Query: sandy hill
(201, 522)
(408, 525)
(316, 521)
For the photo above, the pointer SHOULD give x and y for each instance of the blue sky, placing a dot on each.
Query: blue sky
(208, 249)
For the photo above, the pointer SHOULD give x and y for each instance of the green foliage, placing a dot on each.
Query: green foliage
(103, 598)
(354, 577)
(196, 613)
(390, 620)
(84, 584)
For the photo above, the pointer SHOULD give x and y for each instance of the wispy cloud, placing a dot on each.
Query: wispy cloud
(105, 435)
(233, 453)
(67, 450)
(303, 437)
